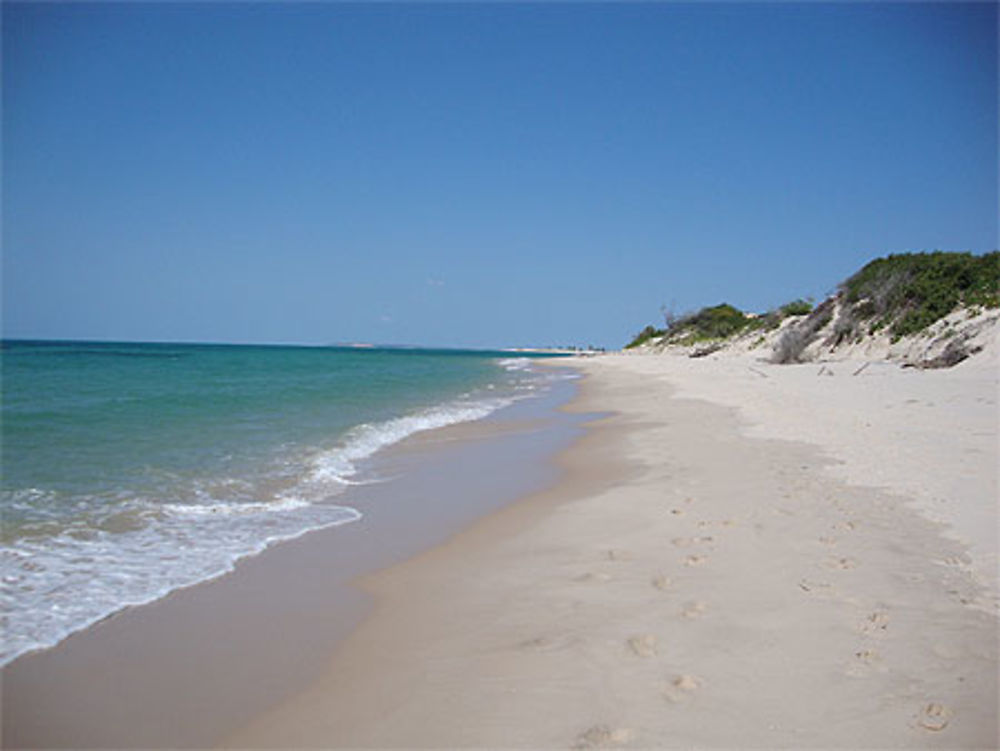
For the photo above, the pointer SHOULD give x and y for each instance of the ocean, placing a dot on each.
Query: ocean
(130, 470)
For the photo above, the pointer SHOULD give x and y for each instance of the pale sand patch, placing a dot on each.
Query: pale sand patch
(931, 436)
(820, 613)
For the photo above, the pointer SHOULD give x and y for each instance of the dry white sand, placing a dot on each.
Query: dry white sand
(928, 436)
(703, 576)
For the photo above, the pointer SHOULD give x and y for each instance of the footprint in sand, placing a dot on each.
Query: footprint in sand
(695, 560)
(677, 512)
(661, 581)
(619, 555)
(935, 716)
(694, 609)
(807, 585)
(601, 736)
(876, 624)
(549, 643)
(864, 662)
(843, 564)
(681, 687)
(965, 599)
(826, 540)
(643, 645)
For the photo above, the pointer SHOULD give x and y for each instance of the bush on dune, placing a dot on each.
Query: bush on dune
(903, 294)
(909, 292)
(717, 322)
(644, 336)
(798, 307)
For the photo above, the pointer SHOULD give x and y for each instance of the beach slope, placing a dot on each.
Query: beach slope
(739, 555)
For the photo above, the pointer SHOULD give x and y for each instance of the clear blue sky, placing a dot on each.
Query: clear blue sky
(476, 175)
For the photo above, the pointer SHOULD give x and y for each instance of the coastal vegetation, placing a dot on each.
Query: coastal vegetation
(907, 293)
(650, 332)
(798, 307)
(899, 296)
(717, 323)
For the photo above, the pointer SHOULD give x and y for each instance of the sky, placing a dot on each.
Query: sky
(476, 175)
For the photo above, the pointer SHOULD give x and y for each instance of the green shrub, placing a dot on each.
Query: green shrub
(798, 307)
(909, 292)
(717, 322)
(902, 293)
(644, 336)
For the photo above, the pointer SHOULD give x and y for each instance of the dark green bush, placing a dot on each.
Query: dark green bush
(717, 322)
(909, 292)
(644, 336)
(796, 308)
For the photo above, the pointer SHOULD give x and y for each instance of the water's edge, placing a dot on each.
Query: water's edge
(240, 642)
(137, 544)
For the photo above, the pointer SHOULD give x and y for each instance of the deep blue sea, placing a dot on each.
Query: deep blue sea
(130, 470)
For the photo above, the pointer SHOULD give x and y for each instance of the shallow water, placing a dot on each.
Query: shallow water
(133, 469)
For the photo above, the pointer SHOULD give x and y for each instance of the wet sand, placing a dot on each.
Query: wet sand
(687, 584)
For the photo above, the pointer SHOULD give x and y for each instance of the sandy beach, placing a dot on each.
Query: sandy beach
(525, 376)
(739, 555)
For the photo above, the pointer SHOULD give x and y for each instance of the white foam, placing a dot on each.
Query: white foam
(363, 441)
(233, 509)
(515, 363)
(52, 588)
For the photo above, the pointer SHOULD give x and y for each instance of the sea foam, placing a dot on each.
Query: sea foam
(364, 441)
(51, 589)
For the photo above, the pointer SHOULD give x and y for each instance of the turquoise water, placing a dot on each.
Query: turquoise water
(132, 469)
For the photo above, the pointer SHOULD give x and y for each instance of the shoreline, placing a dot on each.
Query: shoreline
(104, 511)
(685, 559)
(188, 668)
(721, 575)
